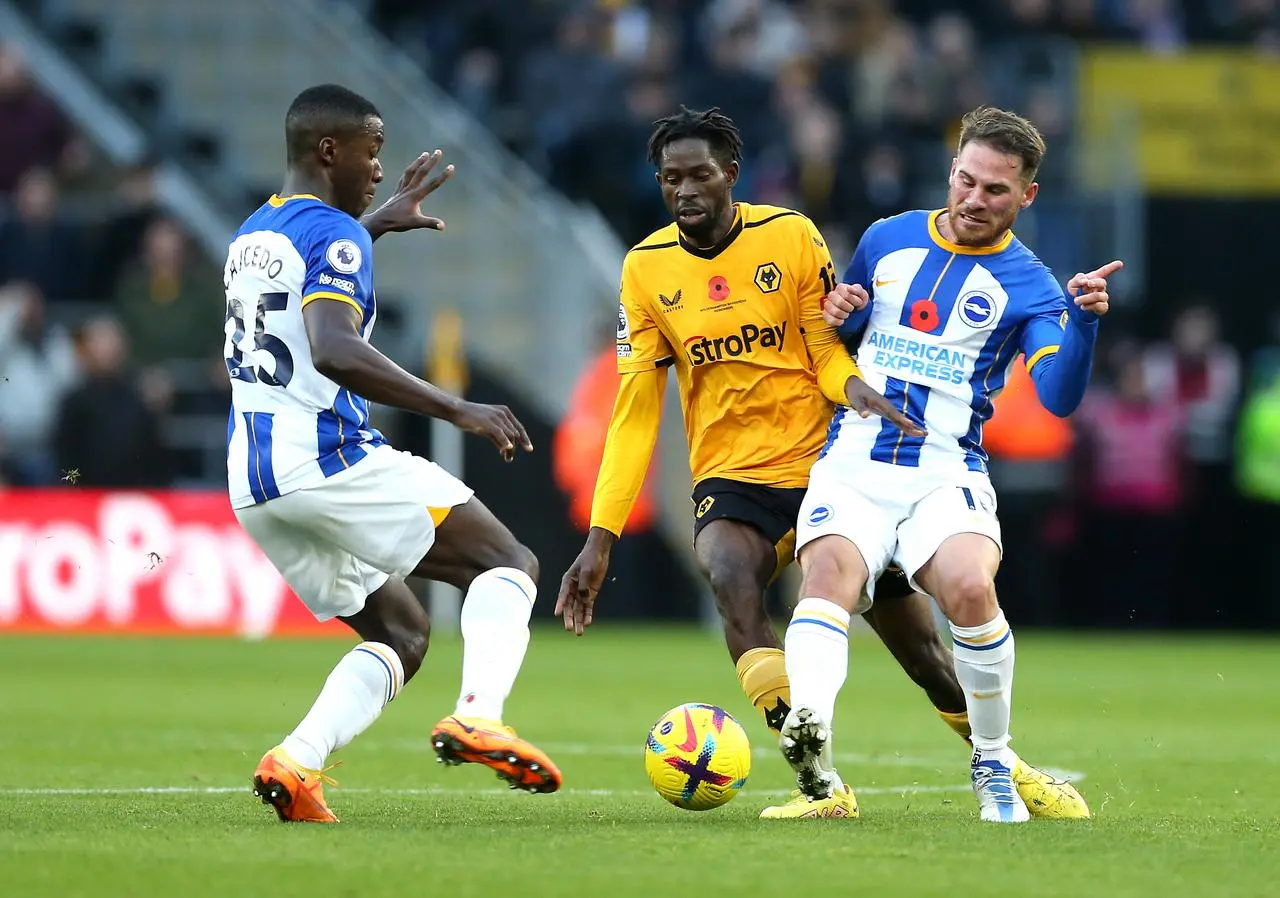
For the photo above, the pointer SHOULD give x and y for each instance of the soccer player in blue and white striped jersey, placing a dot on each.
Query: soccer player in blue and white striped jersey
(943, 302)
(340, 513)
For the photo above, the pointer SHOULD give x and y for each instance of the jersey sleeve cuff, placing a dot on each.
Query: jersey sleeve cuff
(1040, 354)
(635, 366)
(336, 297)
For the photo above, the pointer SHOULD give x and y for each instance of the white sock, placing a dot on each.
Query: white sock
(817, 655)
(358, 688)
(495, 635)
(984, 668)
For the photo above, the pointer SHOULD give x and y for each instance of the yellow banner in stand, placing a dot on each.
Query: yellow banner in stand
(1207, 123)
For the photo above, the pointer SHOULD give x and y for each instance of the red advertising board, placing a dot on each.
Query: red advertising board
(138, 562)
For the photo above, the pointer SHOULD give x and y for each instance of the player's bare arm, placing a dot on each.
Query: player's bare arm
(403, 210)
(338, 352)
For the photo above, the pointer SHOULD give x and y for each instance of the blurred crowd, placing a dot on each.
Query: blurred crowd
(847, 107)
(105, 310)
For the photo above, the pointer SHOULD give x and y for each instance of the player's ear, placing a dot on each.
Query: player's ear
(327, 150)
(731, 173)
(1030, 196)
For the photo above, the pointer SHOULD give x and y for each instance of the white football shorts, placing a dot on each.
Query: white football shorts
(893, 513)
(337, 542)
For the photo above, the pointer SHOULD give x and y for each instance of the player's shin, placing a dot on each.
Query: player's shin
(817, 655)
(358, 688)
(762, 672)
(984, 667)
(495, 634)
(817, 660)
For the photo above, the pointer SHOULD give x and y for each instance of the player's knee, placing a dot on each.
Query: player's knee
(508, 554)
(523, 559)
(969, 597)
(411, 647)
(736, 590)
(833, 570)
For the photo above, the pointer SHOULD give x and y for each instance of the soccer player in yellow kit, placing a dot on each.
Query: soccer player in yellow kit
(730, 295)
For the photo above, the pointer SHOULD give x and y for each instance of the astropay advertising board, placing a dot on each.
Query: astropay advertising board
(161, 562)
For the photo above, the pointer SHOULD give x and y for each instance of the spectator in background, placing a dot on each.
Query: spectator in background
(1258, 476)
(39, 246)
(1198, 374)
(106, 434)
(37, 367)
(32, 130)
(1133, 496)
(569, 85)
(167, 297)
(131, 209)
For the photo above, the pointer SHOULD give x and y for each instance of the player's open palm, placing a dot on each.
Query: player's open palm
(1090, 290)
(867, 402)
(579, 587)
(403, 210)
(497, 424)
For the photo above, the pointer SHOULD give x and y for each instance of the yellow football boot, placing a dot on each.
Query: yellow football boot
(296, 792)
(841, 803)
(1046, 795)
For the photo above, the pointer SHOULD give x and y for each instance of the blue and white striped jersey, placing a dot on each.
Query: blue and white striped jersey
(290, 426)
(944, 326)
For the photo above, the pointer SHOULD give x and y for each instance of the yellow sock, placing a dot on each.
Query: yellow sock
(958, 722)
(763, 675)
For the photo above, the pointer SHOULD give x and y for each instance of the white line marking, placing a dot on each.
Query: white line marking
(440, 790)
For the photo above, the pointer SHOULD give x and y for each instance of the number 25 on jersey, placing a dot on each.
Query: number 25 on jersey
(252, 369)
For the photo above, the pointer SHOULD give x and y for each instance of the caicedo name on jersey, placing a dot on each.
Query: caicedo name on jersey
(254, 255)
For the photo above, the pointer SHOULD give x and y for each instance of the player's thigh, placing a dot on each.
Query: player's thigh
(386, 510)
(328, 580)
(961, 518)
(843, 534)
(743, 534)
(470, 541)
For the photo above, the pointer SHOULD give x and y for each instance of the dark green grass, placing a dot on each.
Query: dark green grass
(1178, 741)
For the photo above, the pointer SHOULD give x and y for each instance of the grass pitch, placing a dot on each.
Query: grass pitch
(125, 766)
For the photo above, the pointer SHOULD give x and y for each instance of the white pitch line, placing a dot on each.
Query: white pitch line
(437, 790)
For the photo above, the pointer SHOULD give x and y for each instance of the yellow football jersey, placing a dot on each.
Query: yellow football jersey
(742, 325)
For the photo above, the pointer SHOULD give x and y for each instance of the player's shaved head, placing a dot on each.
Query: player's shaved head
(326, 110)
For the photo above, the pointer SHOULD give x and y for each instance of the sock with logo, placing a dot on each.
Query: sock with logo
(495, 636)
(358, 688)
(984, 668)
(763, 675)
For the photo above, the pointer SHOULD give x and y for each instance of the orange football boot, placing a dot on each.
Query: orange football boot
(296, 792)
(472, 740)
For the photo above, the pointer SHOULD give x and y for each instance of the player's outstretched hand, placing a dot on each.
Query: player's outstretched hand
(580, 584)
(497, 423)
(1090, 290)
(867, 402)
(402, 211)
(842, 302)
